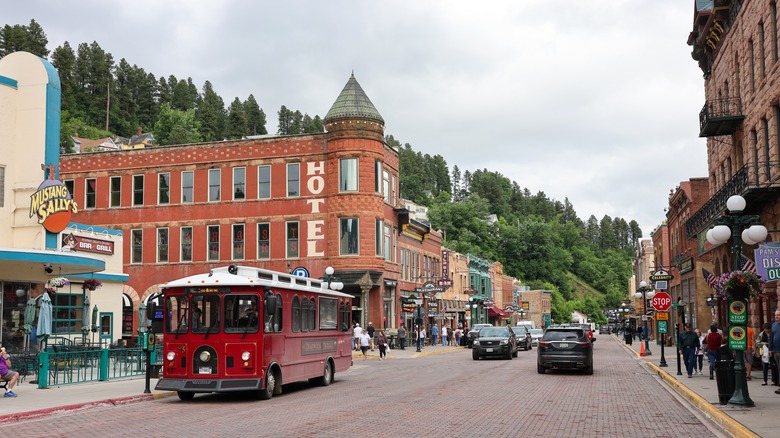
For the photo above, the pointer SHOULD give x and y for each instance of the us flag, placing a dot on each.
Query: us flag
(747, 264)
(709, 278)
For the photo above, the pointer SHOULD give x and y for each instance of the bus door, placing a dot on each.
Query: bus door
(272, 326)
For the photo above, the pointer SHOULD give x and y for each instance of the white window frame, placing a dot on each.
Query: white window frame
(260, 182)
(234, 241)
(259, 240)
(296, 181)
(243, 171)
(111, 192)
(86, 194)
(287, 239)
(133, 232)
(209, 242)
(140, 178)
(218, 185)
(182, 243)
(184, 188)
(349, 174)
(159, 188)
(341, 236)
(161, 245)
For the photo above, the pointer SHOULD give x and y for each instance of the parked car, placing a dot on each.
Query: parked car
(536, 335)
(474, 333)
(494, 341)
(524, 339)
(565, 347)
(604, 330)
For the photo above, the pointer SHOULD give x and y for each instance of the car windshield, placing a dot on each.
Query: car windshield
(488, 332)
(537, 332)
(562, 335)
(478, 327)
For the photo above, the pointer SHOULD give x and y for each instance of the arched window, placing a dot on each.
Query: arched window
(278, 316)
(312, 314)
(304, 315)
(296, 314)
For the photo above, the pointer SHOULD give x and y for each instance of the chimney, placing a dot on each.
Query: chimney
(139, 131)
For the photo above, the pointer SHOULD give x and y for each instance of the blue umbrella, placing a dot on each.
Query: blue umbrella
(44, 318)
(29, 317)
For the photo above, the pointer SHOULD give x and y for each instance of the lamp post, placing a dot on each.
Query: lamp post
(645, 293)
(735, 224)
(331, 280)
(521, 313)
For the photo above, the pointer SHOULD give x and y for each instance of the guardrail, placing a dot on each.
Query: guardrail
(65, 366)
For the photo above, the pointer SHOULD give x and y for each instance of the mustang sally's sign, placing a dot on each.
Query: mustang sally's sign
(52, 204)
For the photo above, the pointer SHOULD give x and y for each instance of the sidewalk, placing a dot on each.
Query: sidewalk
(702, 393)
(32, 402)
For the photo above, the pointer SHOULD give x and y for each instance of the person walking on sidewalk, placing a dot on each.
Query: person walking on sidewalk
(434, 335)
(381, 340)
(713, 341)
(402, 337)
(699, 353)
(774, 341)
(688, 343)
(371, 334)
(356, 332)
(749, 352)
(443, 335)
(767, 361)
(365, 342)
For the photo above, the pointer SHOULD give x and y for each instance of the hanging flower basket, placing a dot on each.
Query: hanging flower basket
(59, 281)
(91, 284)
(738, 284)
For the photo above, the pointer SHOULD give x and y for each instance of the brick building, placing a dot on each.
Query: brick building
(284, 202)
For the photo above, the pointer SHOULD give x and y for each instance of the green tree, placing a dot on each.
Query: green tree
(236, 125)
(64, 60)
(176, 126)
(255, 117)
(211, 114)
(93, 76)
(18, 38)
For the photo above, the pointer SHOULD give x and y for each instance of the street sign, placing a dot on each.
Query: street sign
(300, 271)
(661, 276)
(662, 316)
(661, 302)
(737, 338)
(662, 326)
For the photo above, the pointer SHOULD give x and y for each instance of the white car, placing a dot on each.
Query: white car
(536, 334)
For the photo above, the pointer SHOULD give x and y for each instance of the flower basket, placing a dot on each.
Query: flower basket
(738, 285)
(91, 284)
(58, 282)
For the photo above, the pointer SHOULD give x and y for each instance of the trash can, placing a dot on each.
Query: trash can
(629, 339)
(724, 375)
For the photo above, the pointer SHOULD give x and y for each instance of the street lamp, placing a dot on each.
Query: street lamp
(522, 313)
(735, 224)
(645, 293)
(331, 280)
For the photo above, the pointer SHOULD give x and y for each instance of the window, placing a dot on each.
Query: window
(163, 188)
(205, 314)
(348, 175)
(214, 175)
(264, 241)
(238, 242)
(264, 182)
(329, 313)
(386, 185)
(70, 185)
(378, 236)
(312, 315)
(67, 313)
(346, 315)
(387, 244)
(239, 183)
(2, 186)
(377, 176)
(137, 246)
(186, 244)
(138, 190)
(348, 236)
(273, 323)
(294, 179)
(773, 13)
(187, 187)
(393, 186)
(178, 310)
(304, 314)
(292, 239)
(296, 314)
(241, 314)
(116, 191)
(91, 188)
(213, 242)
(162, 245)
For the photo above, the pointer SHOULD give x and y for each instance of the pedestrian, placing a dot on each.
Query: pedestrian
(457, 336)
(774, 341)
(713, 340)
(356, 332)
(749, 352)
(6, 374)
(402, 337)
(444, 333)
(699, 353)
(371, 332)
(381, 340)
(767, 361)
(687, 342)
(365, 342)
(434, 335)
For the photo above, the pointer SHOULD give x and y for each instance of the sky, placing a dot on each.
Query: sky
(596, 101)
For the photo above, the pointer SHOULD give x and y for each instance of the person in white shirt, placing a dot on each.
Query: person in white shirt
(443, 335)
(356, 332)
(365, 343)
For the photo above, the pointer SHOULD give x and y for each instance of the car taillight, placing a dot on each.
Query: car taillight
(544, 343)
(583, 343)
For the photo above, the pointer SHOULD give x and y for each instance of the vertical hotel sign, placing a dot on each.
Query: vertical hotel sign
(52, 203)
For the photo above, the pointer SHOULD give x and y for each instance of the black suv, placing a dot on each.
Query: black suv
(565, 347)
(495, 341)
(474, 333)
(524, 339)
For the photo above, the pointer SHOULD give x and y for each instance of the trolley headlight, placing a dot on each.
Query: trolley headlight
(245, 356)
(170, 356)
(204, 356)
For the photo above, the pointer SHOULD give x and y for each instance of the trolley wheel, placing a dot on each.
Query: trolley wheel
(185, 396)
(327, 375)
(270, 386)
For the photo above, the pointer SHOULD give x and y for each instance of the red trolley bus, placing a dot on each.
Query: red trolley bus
(247, 329)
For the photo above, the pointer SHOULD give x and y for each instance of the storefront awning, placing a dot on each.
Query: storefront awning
(495, 311)
(38, 265)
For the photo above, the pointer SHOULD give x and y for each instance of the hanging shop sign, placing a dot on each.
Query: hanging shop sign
(87, 244)
(52, 204)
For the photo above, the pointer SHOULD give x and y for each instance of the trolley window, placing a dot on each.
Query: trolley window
(241, 314)
(328, 313)
(177, 308)
(205, 314)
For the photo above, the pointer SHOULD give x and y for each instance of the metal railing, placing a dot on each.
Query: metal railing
(65, 366)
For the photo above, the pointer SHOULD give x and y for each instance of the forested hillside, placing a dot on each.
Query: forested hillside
(539, 240)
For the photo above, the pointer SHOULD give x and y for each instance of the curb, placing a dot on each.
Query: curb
(41, 413)
(719, 417)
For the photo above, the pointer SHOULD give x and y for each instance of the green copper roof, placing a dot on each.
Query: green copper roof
(353, 102)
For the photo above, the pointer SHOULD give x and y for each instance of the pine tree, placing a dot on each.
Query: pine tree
(255, 117)
(236, 125)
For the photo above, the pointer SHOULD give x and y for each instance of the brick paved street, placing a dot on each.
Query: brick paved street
(444, 394)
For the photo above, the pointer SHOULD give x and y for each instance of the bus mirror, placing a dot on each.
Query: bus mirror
(269, 303)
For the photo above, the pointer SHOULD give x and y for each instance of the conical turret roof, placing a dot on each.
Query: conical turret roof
(353, 102)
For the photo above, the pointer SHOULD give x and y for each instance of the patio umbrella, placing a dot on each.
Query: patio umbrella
(44, 318)
(94, 322)
(29, 317)
(85, 319)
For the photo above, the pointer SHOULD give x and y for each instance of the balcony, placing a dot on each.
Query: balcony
(720, 117)
(757, 182)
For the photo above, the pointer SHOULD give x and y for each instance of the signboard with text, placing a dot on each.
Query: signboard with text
(768, 261)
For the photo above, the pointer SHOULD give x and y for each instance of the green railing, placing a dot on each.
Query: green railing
(65, 366)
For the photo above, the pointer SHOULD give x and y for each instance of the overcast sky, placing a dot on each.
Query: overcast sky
(596, 100)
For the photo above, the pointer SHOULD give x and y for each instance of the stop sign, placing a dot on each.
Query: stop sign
(661, 301)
